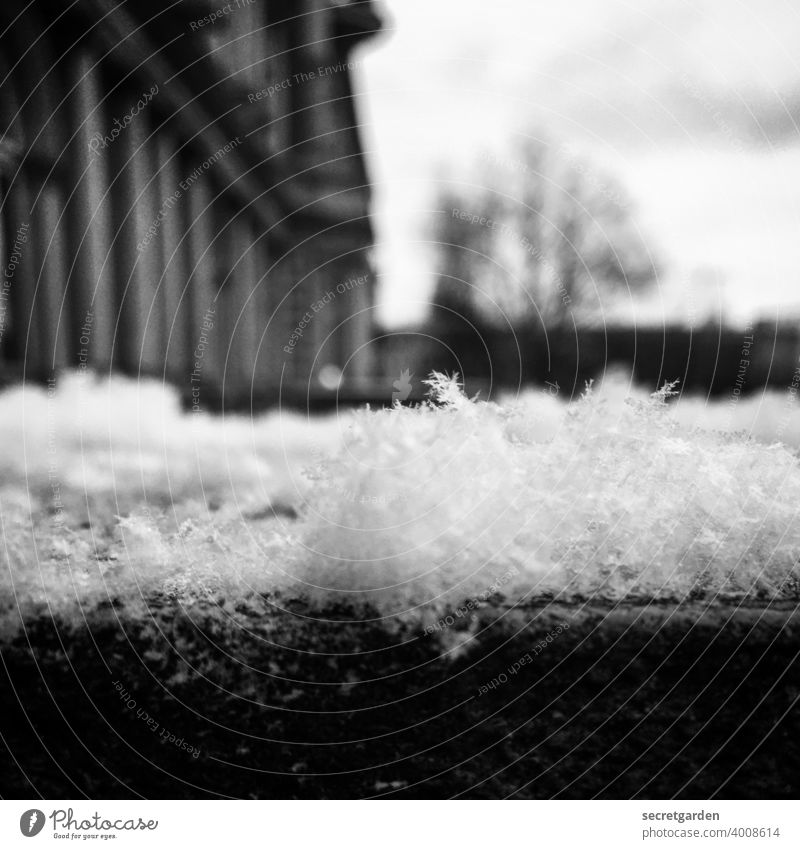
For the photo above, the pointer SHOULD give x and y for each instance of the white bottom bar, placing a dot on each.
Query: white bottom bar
(401, 824)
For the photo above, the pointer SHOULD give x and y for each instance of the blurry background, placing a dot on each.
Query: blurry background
(322, 201)
(613, 136)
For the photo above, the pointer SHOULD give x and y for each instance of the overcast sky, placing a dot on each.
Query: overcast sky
(691, 103)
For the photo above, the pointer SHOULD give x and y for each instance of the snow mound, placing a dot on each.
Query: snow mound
(444, 501)
(109, 493)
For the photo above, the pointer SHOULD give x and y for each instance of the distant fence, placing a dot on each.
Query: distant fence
(711, 360)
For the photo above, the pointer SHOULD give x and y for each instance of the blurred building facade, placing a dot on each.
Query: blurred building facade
(184, 192)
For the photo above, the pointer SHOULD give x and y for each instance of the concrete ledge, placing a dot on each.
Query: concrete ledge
(256, 699)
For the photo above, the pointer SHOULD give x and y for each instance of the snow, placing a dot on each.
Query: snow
(111, 493)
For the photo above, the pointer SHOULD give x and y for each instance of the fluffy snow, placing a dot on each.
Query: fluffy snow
(109, 492)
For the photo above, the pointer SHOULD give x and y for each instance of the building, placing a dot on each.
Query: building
(184, 193)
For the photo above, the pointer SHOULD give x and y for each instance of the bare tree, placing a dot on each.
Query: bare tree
(543, 236)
